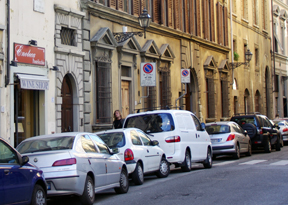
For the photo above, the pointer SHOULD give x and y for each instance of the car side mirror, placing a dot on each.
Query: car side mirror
(203, 126)
(155, 143)
(114, 150)
(25, 160)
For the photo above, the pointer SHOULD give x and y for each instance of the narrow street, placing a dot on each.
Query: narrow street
(259, 179)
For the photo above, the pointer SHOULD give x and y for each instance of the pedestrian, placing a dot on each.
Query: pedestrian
(118, 121)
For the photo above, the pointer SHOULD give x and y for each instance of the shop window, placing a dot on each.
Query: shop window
(103, 92)
(68, 36)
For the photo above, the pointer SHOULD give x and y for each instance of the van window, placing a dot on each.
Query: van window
(151, 123)
(197, 123)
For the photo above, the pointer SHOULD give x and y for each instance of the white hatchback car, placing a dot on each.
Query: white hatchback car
(179, 133)
(141, 154)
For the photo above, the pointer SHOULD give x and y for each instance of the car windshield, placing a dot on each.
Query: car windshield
(151, 123)
(217, 129)
(280, 123)
(114, 139)
(46, 144)
(242, 120)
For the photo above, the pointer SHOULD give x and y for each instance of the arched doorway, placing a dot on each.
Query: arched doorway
(67, 105)
(267, 93)
(191, 97)
(246, 102)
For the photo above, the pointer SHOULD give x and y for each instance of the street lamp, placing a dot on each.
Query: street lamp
(144, 21)
(248, 57)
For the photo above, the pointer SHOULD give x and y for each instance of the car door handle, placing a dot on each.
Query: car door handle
(147, 151)
(6, 171)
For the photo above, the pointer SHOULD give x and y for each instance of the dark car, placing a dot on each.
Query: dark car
(260, 130)
(20, 182)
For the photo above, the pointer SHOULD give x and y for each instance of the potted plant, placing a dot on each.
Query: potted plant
(236, 56)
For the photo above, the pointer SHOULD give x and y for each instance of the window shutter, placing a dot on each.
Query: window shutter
(136, 8)
(198, 19)
(112, 4)
(176, 14)
(156, 11)
(212, 21)
(191, 17)
(205, 19)
(226, 26)
(186, 16)
(142, 6)
(120, 5)
(162, 12)
(180, 9)
(219, 23)
(169, 13)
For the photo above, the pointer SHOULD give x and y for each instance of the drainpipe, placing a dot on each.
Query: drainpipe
(7, 76)
(273, 54)
(232, 49)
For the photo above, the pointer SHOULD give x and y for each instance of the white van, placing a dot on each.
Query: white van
(179, 133)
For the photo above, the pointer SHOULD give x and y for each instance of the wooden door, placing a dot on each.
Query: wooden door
(67, 106)
(125, 98)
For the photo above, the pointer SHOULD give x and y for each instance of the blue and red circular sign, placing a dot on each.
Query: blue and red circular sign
(185, 73)
(148, 68)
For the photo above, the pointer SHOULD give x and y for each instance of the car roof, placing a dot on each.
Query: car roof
(64, 134)
(116, 130)
(160, 111)
(221, 123)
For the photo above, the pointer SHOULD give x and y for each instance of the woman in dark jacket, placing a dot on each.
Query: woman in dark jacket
(118, 121)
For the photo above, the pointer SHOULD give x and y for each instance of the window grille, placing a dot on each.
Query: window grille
(68, 36)
(103, 92)
(165, 87)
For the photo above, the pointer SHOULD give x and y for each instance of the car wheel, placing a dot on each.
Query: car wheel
(88, 195)
(137, 175)
(267, 146)
(237, 152)
(249, 153)
(278, 145)
(208, 161)
(187, 162)
(164, 169)
(124, 183)
(39, 196)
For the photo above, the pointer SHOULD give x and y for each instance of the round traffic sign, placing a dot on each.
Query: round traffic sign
(148, 68)
(185, 73)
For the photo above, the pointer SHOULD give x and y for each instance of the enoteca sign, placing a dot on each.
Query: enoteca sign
(29, 54)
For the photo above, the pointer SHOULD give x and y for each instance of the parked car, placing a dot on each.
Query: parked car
(179, 133)
(260, 131)
(138, 151)
(283, 127)
(276, 129)
(20, 181)
(228, 138)
(76, 163)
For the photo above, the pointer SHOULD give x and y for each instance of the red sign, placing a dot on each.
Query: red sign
(29, 54)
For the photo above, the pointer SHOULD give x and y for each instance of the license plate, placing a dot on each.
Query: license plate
(48, 185)
(216, 140)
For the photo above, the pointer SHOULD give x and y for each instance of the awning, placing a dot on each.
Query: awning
(33, 82)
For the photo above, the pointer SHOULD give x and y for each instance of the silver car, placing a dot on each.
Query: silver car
(76, 163)
(283, 125)
(228, 138)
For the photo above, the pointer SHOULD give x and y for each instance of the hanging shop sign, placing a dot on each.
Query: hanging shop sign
(185, 76)
(29, 54)
(148, 74)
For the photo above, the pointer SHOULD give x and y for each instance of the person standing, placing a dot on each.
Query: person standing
(118, 121)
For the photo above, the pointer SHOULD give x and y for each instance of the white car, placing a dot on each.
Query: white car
(179, 133)
(76, 163)
(138, 151)
(283, 124)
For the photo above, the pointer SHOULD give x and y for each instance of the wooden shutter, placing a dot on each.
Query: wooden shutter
(112, 4)
(226, 26)
(219, 23)
(135, 7)
(191, 17)
(170, 13)
(212, 37)
(120, 5)
(186, 16)
(162, 12)
(156, 11)
(142, 6)
(198, 19)
(181, 15)
(176, 14)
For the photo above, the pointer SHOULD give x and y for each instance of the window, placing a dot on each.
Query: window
(103, 92)
(224, 98)
(135, 138)
(197, 123)
(245, 9)
(256, 57)
(165, 87)
(283, 27)
(68, 36)
(208, 19)
(128, 6)
(100, 144)
(257, 101)
(115, 139)
(146, 140)
(184, 29)
(165, 18)
(104, 2)
(255, 12)
(195, 15)
(264, 14)
(7, 155)
(87, 144)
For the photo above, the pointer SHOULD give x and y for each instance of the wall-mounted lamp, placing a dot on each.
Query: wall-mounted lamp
(55, 68)
(33, 42)
(13, 63)
(144, 21)
(248, 57)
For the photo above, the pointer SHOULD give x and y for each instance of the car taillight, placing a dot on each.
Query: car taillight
(128, 155)
(231, 137)
(285, 129)
(173, 139)
(260, 131)
(64, 162)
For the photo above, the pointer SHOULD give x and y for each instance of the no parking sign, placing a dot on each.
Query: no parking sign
(148, 74)
(185, 76)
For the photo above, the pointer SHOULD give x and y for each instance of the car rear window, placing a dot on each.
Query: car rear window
(217, 129)
(242, 120)
(46, 144)
(113, 139)
(151, 123)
